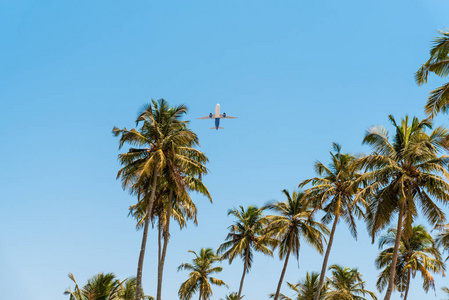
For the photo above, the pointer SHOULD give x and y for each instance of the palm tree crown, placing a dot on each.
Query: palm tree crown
(306, 289)
(104, 287)
(293, 222)
(416, 254)
(247, 234)
(347, 283)
(199, 277)
(438, 64)
(404, 174)
(334, 192)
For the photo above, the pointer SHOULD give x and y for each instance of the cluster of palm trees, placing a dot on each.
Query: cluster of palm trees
(405, 175)
(161, 172)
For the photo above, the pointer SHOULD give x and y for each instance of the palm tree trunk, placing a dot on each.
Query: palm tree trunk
(159, 240)
(245, 267)
(408, 284)
(201, 291)
(164, 249)
(144, 238)
(326, 258)
(284, 269)
(395, 253)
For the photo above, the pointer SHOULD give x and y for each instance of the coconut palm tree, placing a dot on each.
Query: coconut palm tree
(232, 296)
(178, 204)
(104, 287)
(128, 290)
(100, 287)
(347, 283)
(163, 137)
(334, 192)
(293, 222)
(306, 289)
(417, 254)
(404, 174)
(199, 277)
(248, 234)
(438, 64)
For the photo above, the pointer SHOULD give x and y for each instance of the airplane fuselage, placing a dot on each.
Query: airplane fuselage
(217, 116)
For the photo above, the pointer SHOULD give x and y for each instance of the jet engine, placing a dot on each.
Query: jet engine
(210, 115)
(224, 115)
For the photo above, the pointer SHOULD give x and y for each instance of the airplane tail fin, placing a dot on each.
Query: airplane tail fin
(216, 128)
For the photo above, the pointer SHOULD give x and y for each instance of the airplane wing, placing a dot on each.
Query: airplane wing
(223, 116)
(207, 117)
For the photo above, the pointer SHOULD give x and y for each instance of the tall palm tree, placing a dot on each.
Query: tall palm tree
(404, 174)
(178, 204)
(438, 64)
(104, 287)
(347, 283)
(294, 221)
(417, 253)
(163, 136)
(306, 289)
(334, 192)
(199, 277)
(248, 234)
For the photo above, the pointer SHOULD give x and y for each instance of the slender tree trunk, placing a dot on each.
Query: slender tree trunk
(144, 238)
(160, 270)
(201, 291)
(159, 240)
(326, 258)
(395, 253)
(408, 284)
(290, 243)
(245, 267)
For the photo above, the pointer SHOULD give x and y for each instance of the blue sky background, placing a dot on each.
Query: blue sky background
(298, 74)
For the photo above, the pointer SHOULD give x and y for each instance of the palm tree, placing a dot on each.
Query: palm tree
(417, 253)
(177, 203)
(163, 137)
(294, 221)
(347, 283)
(199, 277)
(404, 174)
(104, 287)
(306, 289)
(438, 64)
(334, 192)
(247, 234)
(232, 296)
(128, 290)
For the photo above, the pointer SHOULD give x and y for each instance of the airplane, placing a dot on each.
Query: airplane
(217, 116)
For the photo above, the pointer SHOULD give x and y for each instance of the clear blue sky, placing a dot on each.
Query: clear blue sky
(298, 74)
